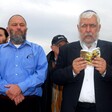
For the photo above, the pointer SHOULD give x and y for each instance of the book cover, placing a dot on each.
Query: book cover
(90, 55)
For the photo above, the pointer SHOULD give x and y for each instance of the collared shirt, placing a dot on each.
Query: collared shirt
(87, 93)
(25, 66)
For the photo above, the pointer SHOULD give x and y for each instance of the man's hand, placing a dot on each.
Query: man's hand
(13, 91)
(18, 99)
(78, 65)
(99, 64)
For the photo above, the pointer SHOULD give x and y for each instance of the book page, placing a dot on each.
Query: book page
(89, 56)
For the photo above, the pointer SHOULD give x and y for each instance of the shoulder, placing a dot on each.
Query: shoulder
(71, 45)
(2, 46)
(36, 47)
(104, 43)
(50, 56)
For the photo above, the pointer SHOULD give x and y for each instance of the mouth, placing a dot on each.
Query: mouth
(88, 35)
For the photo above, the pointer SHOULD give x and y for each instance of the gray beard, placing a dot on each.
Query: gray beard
(18, 39)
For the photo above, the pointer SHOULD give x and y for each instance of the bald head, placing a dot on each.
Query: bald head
(17, 16)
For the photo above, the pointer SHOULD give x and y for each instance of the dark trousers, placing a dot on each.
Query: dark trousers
(29, 104)
(86, 107)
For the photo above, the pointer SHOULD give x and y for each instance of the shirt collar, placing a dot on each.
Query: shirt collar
(10, 44)
(83, 45)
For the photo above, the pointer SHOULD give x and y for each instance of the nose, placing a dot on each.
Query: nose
(18, 26)
(88, 28)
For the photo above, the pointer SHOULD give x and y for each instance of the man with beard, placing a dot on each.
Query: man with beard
(23, 67)
(87, 87)
(3, 35)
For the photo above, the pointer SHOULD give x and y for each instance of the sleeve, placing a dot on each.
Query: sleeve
(74, 74)
(63, 72)
(108, 74)
(2, 86)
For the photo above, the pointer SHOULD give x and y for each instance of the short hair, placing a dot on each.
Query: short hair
(14, 16)
(5, 32)
(89, 14)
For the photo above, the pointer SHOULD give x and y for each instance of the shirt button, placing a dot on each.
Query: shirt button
(16, 74)
(16, 65)
(16, 56)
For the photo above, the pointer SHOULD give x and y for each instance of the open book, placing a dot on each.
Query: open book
(89, 56)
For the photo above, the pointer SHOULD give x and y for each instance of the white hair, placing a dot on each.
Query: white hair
(89, 14)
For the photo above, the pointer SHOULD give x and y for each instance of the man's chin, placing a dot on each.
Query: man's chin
(89, 40)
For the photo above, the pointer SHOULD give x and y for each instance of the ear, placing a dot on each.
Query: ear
(78, 27)
(7, 39)
(7, 29)
(26, 29)
(52, 47)
(99, 27)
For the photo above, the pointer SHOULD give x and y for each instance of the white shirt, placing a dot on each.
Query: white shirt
(87, 93)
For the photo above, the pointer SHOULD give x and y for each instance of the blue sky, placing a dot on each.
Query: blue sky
(47, 18)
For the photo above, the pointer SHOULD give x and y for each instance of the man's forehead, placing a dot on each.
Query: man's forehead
(17, 19)
(91, 19)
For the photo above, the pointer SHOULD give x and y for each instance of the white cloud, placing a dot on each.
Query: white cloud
(47, 18)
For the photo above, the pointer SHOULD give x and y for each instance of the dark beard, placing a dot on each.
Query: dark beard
(18, 39)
